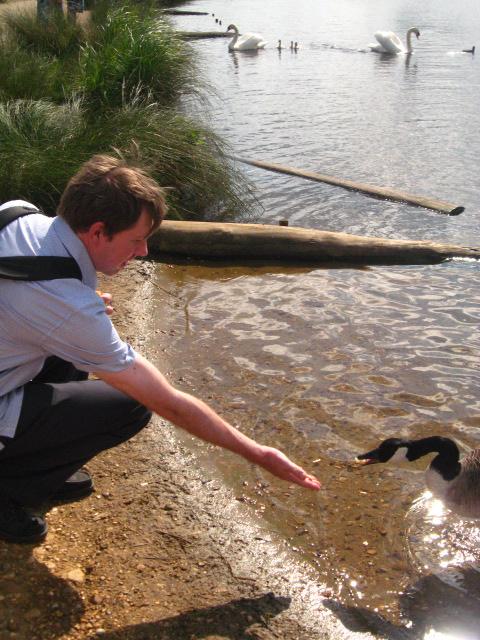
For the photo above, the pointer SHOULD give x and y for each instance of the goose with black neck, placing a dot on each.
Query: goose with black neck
(455, 482)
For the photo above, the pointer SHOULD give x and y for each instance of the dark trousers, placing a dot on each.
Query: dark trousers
(65, 421)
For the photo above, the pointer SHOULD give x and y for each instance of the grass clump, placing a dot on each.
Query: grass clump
(25, 74)
(126, 49)
(42, 144)
(68, 92)
(58, 36)
(132, 50)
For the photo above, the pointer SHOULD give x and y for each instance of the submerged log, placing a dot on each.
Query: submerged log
(197, 35)
(181, 12)
(386, 193)
(243, 243)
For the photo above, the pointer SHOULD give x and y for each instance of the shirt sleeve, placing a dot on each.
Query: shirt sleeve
(88, 339)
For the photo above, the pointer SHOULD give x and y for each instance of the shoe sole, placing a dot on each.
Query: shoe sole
(38, 537)
(72, 496)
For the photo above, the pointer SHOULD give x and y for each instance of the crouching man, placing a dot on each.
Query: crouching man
(55, 330)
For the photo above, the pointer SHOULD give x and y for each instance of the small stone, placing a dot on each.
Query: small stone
(76, 575)
(32, 614)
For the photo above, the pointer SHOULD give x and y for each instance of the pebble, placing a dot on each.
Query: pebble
(75, 575)
(32, 614)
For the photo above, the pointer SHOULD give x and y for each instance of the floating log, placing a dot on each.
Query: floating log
(377, 192)
(179, 12)
(196, 35)
(243, 243)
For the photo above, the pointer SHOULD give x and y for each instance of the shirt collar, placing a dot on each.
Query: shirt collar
(77, 250)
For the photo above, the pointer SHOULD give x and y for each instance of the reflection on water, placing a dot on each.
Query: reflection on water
(446, 607)
(445, 551)
(438, 539)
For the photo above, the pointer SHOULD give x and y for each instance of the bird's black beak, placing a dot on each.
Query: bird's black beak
(367, 458)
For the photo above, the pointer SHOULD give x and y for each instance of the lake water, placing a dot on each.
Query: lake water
(325, 363)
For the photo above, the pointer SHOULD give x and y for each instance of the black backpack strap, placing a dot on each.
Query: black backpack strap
(39, 268)
(12, 213)
(31, 268)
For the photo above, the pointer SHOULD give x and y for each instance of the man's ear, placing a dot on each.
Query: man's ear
(96, 231)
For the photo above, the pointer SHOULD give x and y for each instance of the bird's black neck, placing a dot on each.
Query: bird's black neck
(446, 463)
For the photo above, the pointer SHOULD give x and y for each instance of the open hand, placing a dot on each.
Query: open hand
(277, 463)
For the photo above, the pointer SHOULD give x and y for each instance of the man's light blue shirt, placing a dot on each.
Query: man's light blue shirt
(63, 317)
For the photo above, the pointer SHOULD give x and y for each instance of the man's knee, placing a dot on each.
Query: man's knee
(134, 421)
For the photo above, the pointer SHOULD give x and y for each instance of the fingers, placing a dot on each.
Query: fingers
(281, 466)
(306, 480)
(107, 299)
(311, 482)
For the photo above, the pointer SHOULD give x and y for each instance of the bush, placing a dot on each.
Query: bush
(57, 36)
(24, 74)
(42, 144)
(127, 49)
(131, 49)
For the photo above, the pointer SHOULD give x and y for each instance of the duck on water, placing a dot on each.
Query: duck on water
(455, 482)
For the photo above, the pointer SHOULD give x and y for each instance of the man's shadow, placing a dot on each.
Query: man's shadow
(34, 602)
(448, 604)
(231, 620)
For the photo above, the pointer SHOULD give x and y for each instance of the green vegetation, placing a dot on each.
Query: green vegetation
(67, 92)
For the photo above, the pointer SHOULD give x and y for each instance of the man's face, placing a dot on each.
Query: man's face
(110, 255)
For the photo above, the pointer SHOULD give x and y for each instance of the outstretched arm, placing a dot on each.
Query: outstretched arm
(144, 382)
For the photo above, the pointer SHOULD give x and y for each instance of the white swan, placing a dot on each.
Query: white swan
(389, 42)
(245, 42)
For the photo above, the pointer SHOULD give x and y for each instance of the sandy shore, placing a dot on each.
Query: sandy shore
(162, 549)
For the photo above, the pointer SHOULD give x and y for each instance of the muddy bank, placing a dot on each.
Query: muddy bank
(162, 549)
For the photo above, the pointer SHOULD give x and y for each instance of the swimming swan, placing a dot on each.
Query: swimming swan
(456, 483)
(246, 42)
(389, 42)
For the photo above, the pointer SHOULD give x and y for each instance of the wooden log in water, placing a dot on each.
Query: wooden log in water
(180, 12)
(241, 243)
(197, 35)
(377, 192)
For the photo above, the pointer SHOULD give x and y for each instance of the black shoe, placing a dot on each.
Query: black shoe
(18, 525)
(79, 485)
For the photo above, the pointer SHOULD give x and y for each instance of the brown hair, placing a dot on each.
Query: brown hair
(105, 189)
